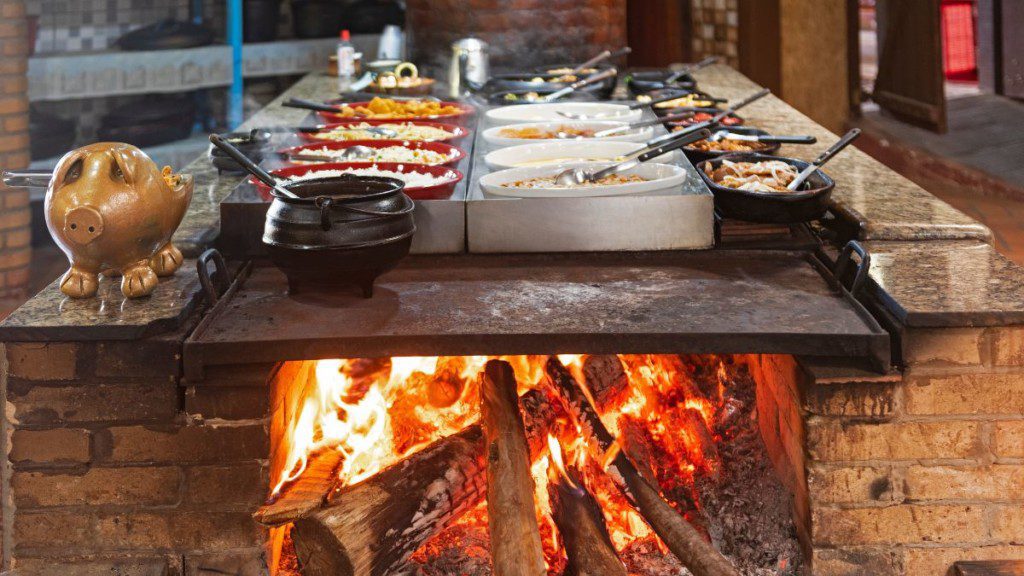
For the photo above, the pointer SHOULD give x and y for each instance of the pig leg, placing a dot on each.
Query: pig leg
(79, 281)
(166, 261)
(138, 280)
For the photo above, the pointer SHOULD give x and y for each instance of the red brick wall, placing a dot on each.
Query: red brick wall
(521, 33)
(15, 234)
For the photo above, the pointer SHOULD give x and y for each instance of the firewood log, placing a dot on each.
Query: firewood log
(306, 493)
(700, 444)
(371, 528)
(578, 517)
(683, 540)
(606, 379)
(516, 548)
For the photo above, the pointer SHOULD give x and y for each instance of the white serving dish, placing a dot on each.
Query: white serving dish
(659, 178)
(493, 136)
(561, 151)
(550, 112)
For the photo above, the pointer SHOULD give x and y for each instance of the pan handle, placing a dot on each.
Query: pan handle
(844, 259)
(325, 204)
(214, 284)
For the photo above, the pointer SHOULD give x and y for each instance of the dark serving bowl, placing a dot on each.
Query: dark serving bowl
(647, 81)
(696, 155)
(252, 145)
(500, 98)
(342, 231)
(809, 203)
(517, 82)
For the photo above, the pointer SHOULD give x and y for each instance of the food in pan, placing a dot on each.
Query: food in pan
(534, 133)
(386, 154)
(403, 131)
(387, 109)
(412, 179)
(585, 71)
(527, 97)
(765, 176)
(728, 145)
(690, 101)
(703, 117)
(549, 182)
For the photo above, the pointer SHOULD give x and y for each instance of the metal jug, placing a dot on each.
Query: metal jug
(470, 66)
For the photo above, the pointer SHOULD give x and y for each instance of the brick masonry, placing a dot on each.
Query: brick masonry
(521, 33)
(15, 217)
(110, 471)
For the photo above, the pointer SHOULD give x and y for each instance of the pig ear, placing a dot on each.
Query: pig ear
(69, 168)
(123, 163)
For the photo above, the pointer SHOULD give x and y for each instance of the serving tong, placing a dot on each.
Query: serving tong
(579, 176)
(824, 157)
(717, 117)
(596, 77)
(350, 154)
(726, 134)
(634, 125)
(380, 131)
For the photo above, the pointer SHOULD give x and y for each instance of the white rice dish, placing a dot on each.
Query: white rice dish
(411, 179)
(389, 154)
(404, 131)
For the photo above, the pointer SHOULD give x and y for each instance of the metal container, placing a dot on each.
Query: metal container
(470, 65)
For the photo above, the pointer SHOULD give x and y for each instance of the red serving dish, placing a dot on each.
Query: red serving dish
(435, 192)
(455, 155)
(457, 133)
(461, 117)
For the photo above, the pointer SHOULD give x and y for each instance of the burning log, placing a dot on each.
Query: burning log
(306, 493)
(700, 445)
(515, 536)
(606, 379)
(581, 524)
(682, 539)
(374, 526)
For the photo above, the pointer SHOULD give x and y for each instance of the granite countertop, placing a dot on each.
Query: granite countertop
(886, 206)
(932, 263)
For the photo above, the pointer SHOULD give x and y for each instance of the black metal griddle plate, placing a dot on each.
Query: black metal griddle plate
(697, 302)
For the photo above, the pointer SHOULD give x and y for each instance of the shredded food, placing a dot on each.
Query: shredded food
(387, 154)
(173, 180)
(690, 100)
(765, 176)
(549, 182)
(411, 178)
(585, 71)
(727, 145)
(404, 131)
(535, 133)
(389, 109)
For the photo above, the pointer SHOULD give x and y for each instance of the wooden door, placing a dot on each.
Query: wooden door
(659, 32)
(1012, 18)
(910, 81)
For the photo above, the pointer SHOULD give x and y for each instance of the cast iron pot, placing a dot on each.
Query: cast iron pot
(647, 81)
(523, 81)
(809, 203)
(252, 145)
(342, 231)
(498, 98)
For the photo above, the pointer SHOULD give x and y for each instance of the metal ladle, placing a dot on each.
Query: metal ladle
(578, 176)
(250, 166)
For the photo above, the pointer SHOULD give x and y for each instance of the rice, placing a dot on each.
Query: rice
(404, 131)
(411, 179)
(390, 154)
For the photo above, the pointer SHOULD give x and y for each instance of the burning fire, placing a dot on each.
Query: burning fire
(375, 412)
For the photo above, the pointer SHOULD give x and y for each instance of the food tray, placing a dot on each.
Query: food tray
(677, 219)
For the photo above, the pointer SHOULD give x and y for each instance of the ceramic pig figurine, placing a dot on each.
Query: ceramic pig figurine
(112, 211)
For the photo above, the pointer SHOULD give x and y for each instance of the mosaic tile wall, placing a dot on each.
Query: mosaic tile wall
(716, 29)
(85, 25)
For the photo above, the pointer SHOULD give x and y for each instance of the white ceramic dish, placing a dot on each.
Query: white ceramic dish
(550, 112)
(659, 177)
(494, 136)
(562, 151)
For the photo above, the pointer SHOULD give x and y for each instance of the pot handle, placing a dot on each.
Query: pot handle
(324, 204)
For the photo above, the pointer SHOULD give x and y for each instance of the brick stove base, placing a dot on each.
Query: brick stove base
(116, 463)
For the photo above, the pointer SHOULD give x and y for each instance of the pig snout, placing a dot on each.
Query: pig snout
(82, 225)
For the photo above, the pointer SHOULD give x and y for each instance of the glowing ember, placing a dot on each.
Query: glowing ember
(375, 412)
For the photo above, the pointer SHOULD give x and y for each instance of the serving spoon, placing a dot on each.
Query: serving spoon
(609, 73)
(691, 68)
(634, 106)
(250, 166)
(634, 125)
(601, 58)
(717, 117)
(729, 135)
(823, 158)
(579, 176)
(380, 131)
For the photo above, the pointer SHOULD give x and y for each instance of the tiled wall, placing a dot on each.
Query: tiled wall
(84, 25)
(716, 29)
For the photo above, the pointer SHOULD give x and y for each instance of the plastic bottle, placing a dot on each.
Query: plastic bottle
(346, 61)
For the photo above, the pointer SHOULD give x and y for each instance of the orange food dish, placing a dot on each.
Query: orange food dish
(389, 109)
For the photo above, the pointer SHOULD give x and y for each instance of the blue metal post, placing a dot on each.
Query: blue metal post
(236, 112)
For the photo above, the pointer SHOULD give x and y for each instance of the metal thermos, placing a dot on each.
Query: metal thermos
(470, 65)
